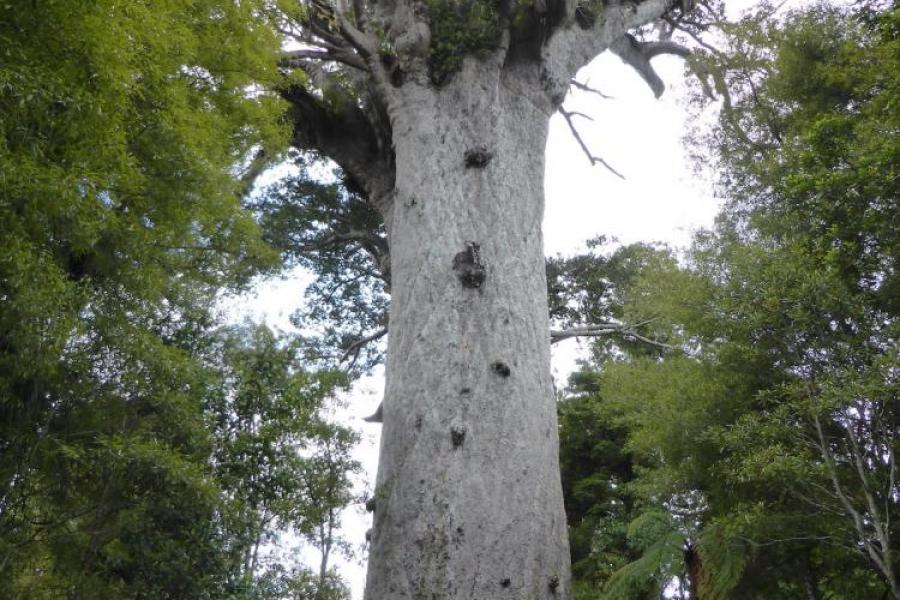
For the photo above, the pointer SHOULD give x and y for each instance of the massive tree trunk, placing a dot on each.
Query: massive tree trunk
(468, 498)
(468, 502)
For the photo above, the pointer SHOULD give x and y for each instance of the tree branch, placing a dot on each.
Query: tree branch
(291, 59)
(637, 54)
(877, 524)
(594, 159)
(377, 416)
(679, 25)
(259, 163)
(586, 88)
(359, 40)
(370, 242)
(346, 134)
(608, 328)
(359, 11)
(858, 520)
(356, 347)
(578, 40)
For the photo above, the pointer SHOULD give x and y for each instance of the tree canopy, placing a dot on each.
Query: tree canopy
(763, 445)
(127, 416)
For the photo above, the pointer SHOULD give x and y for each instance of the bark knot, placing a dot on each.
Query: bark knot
(501, 368)
(457, 435)
(477, 157)
(392, 65)
(468, 266)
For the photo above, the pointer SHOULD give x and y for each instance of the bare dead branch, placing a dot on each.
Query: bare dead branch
(594, 159)
(575, 113)
(587, 88)
(655, 48)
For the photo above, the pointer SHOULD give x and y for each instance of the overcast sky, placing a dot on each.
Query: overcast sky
(660, 200)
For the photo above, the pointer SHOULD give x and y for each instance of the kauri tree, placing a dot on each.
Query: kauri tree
(436, 113)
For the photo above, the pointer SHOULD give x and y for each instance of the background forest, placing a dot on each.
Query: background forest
(754, 457)
(733, 435)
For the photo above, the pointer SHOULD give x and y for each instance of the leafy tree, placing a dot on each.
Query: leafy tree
(328, 491)
(334, 233)
(284, 470)
(766, 446)
(121, 125)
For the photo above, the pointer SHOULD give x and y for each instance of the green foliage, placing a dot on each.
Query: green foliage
(339, 237)
(589, 289)
(659, 542)
(776, 420)
(595, 473)
(459, 28)
(121, 125)
(281, 465)
(724, 554)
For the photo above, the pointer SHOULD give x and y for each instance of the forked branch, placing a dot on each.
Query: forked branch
(587, 88)
(591, 157)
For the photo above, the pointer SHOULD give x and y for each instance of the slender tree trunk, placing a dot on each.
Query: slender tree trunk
(325, 539)
(811, 584)
(468, 497)
(693, 567)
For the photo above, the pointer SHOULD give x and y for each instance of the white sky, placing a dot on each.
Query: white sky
(660, 200)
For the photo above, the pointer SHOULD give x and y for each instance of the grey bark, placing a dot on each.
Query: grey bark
(468, 497)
